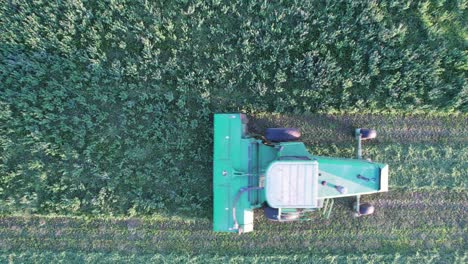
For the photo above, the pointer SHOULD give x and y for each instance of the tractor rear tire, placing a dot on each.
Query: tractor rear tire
(282, 134)
(272, 215)
(368, 133)
(366, 209)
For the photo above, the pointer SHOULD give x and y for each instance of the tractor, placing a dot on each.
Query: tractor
(276, 172)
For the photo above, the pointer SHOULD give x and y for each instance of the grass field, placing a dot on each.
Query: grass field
(426, 224)
(106, 115)
(422, 219)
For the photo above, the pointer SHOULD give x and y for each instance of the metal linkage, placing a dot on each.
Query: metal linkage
(327, 207)
(359, 144)
(357, 206)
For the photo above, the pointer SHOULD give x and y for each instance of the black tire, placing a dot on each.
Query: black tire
(272, 214)
(282, 134)
(244, 119)
(368, 133)
(366, 209)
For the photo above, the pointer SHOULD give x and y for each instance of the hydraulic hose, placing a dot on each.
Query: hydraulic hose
(236, 199)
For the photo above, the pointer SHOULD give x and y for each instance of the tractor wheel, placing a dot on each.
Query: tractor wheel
(366, 209)
(368, 133)
(290, 216)
(272, 215)
(282, 134)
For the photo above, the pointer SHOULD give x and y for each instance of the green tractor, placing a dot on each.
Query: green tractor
(277, 172)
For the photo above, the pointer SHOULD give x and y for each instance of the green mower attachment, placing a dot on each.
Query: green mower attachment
(277, 172)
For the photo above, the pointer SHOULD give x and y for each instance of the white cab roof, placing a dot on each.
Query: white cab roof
(292, 184)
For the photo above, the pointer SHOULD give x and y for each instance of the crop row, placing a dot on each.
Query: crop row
(423, 153)
(32, 256)
(391, 128)
(406, 222)
(106, 108)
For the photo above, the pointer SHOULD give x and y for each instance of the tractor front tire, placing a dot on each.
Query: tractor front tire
(282, 134)
(368, 133)
(366, 209)
(272, 215)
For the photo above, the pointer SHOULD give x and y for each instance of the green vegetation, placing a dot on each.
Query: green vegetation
(73, 257)
(106, 106)
(406, 222)
(106, 122)
(423, 152)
